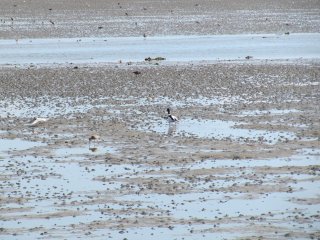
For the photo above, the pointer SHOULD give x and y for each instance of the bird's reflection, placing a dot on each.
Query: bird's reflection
(92, 142)
(172, 129)
(93, 149)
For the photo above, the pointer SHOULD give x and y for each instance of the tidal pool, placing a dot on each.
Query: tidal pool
(70, 196)
(215, 129)
(17, 145)
(89, 149)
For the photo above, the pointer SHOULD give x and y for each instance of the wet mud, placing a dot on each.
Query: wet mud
(241, 162)
(100, 18)
(87, 151)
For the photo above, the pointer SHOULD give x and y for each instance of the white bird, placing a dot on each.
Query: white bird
(171, 117)
(37, 121)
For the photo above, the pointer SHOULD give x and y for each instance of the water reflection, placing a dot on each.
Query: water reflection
(219, 129)
(172, 129)
(173, 48)
(93, 149)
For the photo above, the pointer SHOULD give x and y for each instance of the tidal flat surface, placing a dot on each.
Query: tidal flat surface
(100, 18)
(242, 77)
(243, 157)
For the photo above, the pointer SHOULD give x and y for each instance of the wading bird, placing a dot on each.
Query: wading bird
(37, 121)
(171, 117)
(94, 137)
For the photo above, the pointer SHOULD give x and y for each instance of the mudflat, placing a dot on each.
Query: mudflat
(242, 162)
(100, 18)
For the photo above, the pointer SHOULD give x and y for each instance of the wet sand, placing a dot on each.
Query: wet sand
(244, 157)
(100, 18)
(242, 162)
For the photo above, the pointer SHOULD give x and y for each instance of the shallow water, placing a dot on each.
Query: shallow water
(295, 160)
(69, 181)
(215, 129)
(9, 145)
(92, 149)
(173, 48)
(62, 184)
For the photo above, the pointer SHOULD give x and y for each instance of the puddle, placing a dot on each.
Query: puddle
(173, 48)
(17, 145)
(309, 151)
(295, 160)
(93, 149)
(215, 205)
(208, 205)
(179, 232)
(215, 129)
(70, 187)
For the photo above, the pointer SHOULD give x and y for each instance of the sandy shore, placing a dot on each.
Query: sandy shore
(242, 162)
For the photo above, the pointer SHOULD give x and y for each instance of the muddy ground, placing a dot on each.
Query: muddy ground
(146, 178)
(100, 18)
(242, 162)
